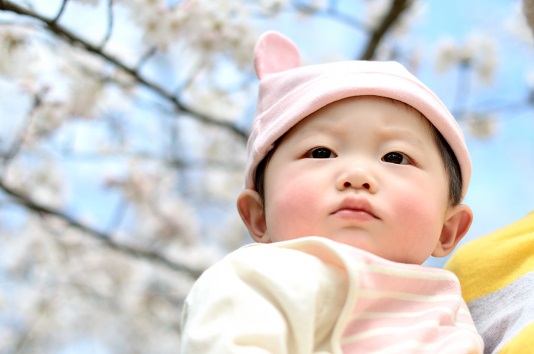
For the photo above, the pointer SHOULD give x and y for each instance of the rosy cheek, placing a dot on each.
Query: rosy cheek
(418, 214)
(290, 207)
(294, 201)
(409, 207)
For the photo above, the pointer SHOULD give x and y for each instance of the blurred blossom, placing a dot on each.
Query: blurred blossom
(222, 184)
(220, 27)
(520, 23)
(216, 103)
(178, 219)
(89, 291)
(378, 9)
(46, 118)
(478, 52)
(394, 47)
(125, 80)
(136, 187)
(17, 262)
(89, 2)
(15, 53)
(84, 97)
(209, 27)
(315, 5)
(272, 7)
(528, 10)
(161, 217)
(41, 181)
(200, 255)
(481, 126)
(446, 54)
(8, 337)
(408, 19)
(84, 86)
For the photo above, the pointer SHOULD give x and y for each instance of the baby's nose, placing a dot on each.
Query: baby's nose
(357, 178)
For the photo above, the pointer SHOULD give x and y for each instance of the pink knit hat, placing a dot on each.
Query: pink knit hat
(289, 92)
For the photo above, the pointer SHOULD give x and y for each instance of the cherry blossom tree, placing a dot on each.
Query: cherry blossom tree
(124, 126)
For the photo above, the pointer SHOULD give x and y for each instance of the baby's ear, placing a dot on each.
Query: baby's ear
(250, 208)
(458, 221)
(275, 53)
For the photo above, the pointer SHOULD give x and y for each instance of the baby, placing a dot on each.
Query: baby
(355, 176)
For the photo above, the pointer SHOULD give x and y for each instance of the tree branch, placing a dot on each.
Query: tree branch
(396, 9)
(60, 12)
(109, 28)
(528, 11)
(490, 107)
(70, 37)
(17, 142)
(103, 237)
(330, 11)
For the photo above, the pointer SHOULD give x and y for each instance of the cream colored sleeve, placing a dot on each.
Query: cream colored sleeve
(263, 300)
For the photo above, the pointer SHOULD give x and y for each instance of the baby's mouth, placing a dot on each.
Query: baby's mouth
(356, 208)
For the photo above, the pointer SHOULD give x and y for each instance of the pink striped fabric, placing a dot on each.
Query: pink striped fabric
(409, 309)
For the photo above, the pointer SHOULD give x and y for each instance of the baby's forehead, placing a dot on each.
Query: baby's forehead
(402, 105)
(310, 125)
(399, 104)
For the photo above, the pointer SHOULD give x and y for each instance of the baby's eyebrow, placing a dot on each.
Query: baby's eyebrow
(323, 128)
(397, 133)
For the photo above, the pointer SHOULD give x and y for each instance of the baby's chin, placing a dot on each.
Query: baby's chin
(368, 244)
(352, 239)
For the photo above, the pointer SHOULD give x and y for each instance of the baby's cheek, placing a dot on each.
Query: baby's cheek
(292, 210)
(297, 200)
(419, 215)
(410, 208)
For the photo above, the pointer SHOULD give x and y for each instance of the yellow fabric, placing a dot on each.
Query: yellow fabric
(524, 340)
(491, 265)
(492, 262)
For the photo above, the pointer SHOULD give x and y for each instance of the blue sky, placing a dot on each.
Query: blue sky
(503, 167)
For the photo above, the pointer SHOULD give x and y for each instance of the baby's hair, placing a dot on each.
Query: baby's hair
(452, 167)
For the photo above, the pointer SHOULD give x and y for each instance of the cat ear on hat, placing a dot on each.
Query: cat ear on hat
(275, 53)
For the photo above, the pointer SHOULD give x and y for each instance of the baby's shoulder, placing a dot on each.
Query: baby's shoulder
(289, 264)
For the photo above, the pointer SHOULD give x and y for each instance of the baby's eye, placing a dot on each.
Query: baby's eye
(321, 153)
(396, 158)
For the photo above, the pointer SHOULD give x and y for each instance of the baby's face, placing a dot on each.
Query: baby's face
(363, 171)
